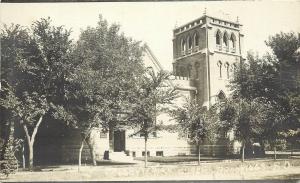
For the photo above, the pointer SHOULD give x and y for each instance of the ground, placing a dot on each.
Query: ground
(175, 169)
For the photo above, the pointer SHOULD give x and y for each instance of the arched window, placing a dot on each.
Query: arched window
(225, 40)
(177, 70)
(197, 69)
(221, 96)
(196, 39)
(232, 42)
(227, 69)
(182, 71)
(218, 37)
(233, 67)
(183, 47)
(189, 68)
(190, 43)
(220, 68)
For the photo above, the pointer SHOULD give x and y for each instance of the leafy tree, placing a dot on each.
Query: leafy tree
(241, 115)
(269, 80)
(106, 66)
(284, 46)
(151, 94)
(33, 66)
(195, 121)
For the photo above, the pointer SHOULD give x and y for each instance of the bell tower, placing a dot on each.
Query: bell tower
(206, 51)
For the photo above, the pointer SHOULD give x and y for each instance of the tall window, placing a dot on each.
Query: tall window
(225, 40)
(227, 69)
(196, 40)
(221, 96)
(183, 47)
(233, 67)
(190, 43)
(218, 37)
(177, 70)
(189, 68)
(220, 68)
(197, 69)
(232, 42)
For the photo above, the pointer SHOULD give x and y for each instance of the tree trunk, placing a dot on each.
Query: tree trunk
(30, 140)
(274, 152)
(23, 156)
(243, 152)
(199, 154)
(262, 148)
(146, 156)
(92, 151)
(30, 159)
(79, 156)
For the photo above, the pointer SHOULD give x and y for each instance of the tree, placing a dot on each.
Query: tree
(195, 121)
(241, 115)
(106, 67)
(151, 94)
(284, 46)
(32, 72)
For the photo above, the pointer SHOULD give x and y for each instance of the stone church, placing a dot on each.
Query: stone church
(206, 51)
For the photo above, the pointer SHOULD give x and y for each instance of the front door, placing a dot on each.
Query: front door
(119, 140)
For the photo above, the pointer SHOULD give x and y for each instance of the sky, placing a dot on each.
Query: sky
(153, 22)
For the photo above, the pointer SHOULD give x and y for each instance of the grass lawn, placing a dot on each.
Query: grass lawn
(170, 168)
(217, 170)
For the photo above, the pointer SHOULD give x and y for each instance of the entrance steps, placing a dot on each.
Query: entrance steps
(120, 157)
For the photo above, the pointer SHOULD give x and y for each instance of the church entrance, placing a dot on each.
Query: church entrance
(119, 140)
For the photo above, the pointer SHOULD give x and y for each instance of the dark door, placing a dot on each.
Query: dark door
(119, 141)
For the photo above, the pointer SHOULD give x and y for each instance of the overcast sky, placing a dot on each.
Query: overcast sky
(153, 22)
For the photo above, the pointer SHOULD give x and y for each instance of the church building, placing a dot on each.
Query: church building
(206, 51)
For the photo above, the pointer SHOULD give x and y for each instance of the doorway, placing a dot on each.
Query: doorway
(119, 141)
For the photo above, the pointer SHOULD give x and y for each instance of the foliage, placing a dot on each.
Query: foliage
(284, 46)
(262, 85)
(148, 100)
(257, 77)
(104, 75)
(32, 73)
(195, 121)
(151, 95)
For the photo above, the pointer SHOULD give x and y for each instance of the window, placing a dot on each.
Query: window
(221, 96)
(197, 69)
(220, 68)
(189, 68)
(227, 69)
(177, 70)
(190, 43)
(183, 47)
(233, 67)
(148, 153)
(232, 43)
(133, 154)
(182, 71)
(196, 40)
(159, 153)
(225, 40)
(218, 37)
